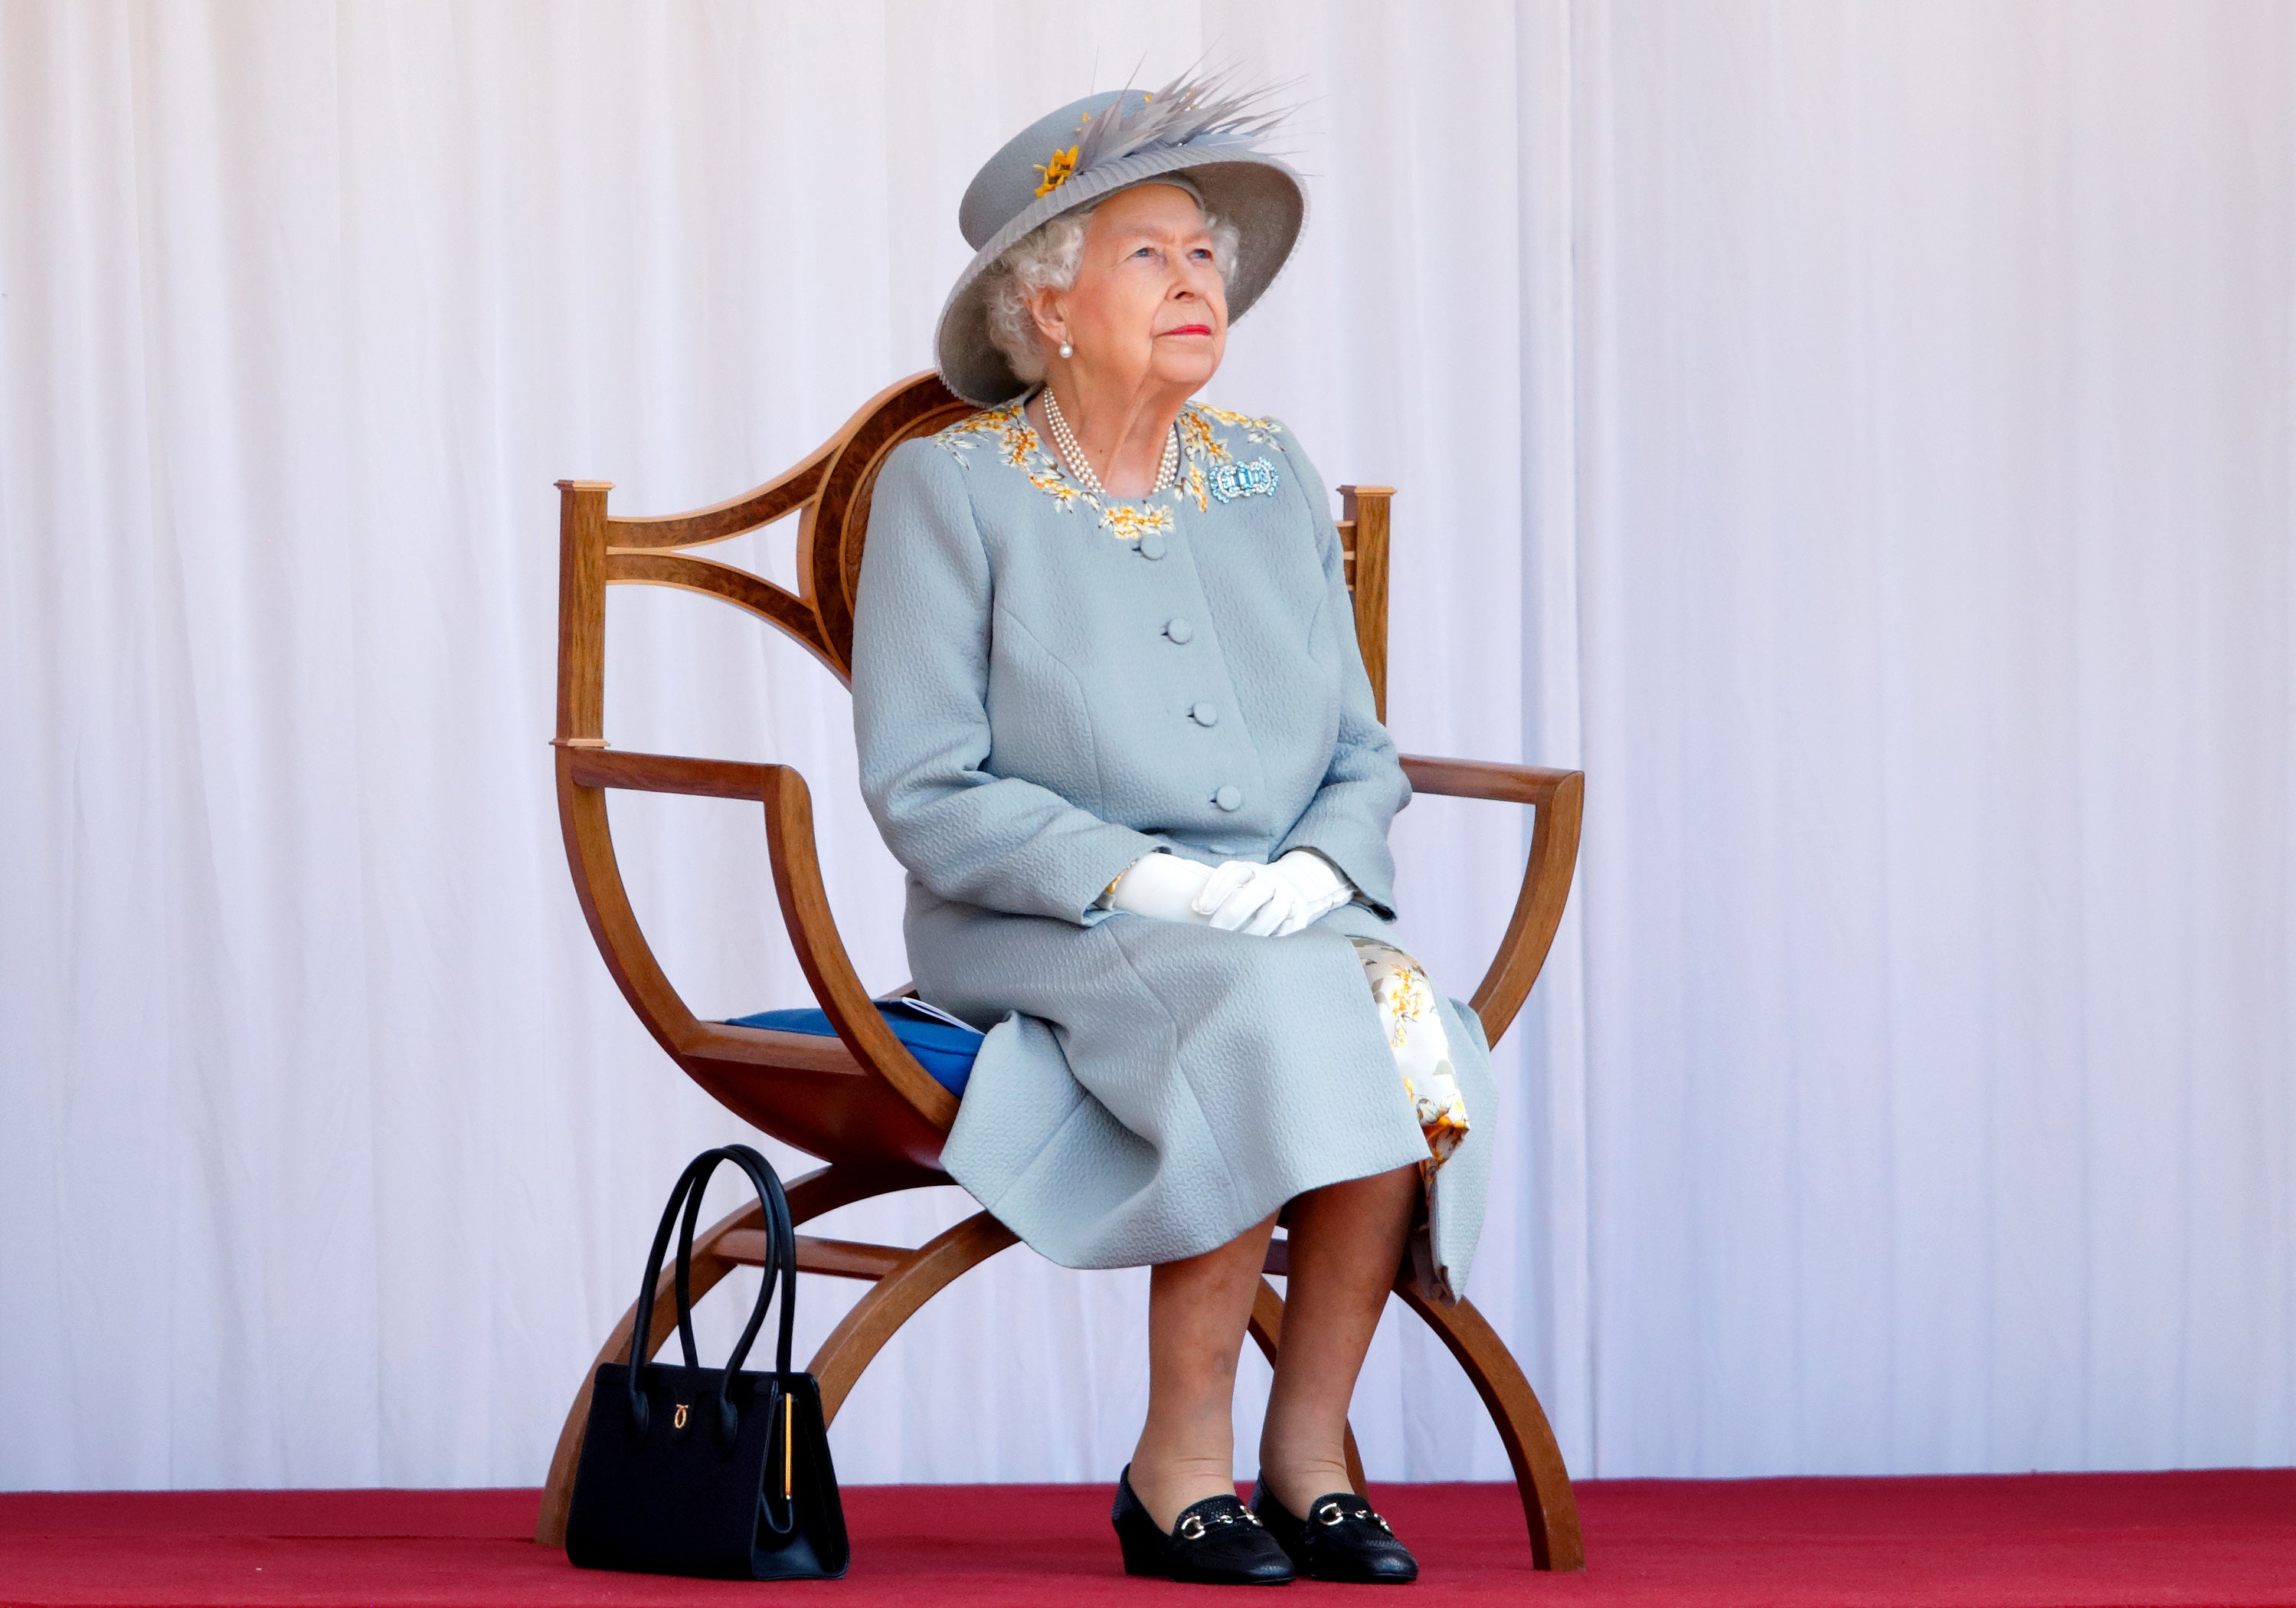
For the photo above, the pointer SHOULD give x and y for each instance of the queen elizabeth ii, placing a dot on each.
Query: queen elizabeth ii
(1113, 721)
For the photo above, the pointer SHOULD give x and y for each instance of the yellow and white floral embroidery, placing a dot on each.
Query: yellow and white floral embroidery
(1259, 432)
(1008, 430)
(1129, 523)
(1201, 449)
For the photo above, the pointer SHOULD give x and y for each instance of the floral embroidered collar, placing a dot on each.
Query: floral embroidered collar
(1208, 470)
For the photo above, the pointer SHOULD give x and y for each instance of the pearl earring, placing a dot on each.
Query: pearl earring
(1066, 350)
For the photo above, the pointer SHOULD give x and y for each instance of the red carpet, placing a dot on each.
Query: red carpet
(2036, 1541)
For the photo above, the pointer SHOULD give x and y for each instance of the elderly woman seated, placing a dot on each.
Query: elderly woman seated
(1113, 721)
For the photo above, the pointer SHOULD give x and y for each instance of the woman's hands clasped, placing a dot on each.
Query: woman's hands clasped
(1271, 901)
(1239, 896)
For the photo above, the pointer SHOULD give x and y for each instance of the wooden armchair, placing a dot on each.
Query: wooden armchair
(860, 1101)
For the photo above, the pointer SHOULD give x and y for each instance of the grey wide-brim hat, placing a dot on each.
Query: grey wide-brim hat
(1262, 197)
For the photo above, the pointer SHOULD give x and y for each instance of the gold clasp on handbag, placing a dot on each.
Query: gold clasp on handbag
(677, 1419)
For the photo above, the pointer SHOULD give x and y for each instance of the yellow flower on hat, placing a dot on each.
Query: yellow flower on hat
(1058, 171)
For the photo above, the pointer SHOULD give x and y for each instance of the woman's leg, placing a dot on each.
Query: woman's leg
(1198, 1311)
(1346, 1243)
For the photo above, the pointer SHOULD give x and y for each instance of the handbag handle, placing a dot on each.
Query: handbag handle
(781, 1252)
(781, 1258)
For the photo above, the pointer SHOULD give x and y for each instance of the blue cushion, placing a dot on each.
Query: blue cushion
(942, 1048)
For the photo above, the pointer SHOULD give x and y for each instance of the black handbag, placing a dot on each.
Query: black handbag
(707, 1472)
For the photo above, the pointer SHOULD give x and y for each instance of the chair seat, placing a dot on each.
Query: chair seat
(943, 1048)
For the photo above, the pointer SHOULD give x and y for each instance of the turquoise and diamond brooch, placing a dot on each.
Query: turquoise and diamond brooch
(1230, 481)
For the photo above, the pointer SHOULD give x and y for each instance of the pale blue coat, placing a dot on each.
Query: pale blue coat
(1046, 689)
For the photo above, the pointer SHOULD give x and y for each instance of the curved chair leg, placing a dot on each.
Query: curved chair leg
(1540, 1479)
(908, 1285)
(822, 1190)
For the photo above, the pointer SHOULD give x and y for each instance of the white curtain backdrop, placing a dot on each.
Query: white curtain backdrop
(1862, 435)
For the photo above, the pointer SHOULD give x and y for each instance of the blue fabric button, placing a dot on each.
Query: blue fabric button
(1230, 799)
(1179, 629)
(1205, 714)
(1151, 545)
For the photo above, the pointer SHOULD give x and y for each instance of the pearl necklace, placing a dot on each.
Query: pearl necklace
(1064, 441)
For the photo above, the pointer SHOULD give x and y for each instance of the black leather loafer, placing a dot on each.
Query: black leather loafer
(1216, 1542)
(1339, 1539)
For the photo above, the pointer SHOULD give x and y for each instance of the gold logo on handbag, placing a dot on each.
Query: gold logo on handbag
(677, 1419)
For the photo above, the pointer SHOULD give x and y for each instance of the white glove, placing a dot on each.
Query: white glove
(1158, 885)
(1242, 896)
(1322, 888)
(1273, 901)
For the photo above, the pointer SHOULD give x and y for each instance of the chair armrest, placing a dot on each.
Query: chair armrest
(1557, 797)
(1486, 779)
(803, 896)
(670, 773)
